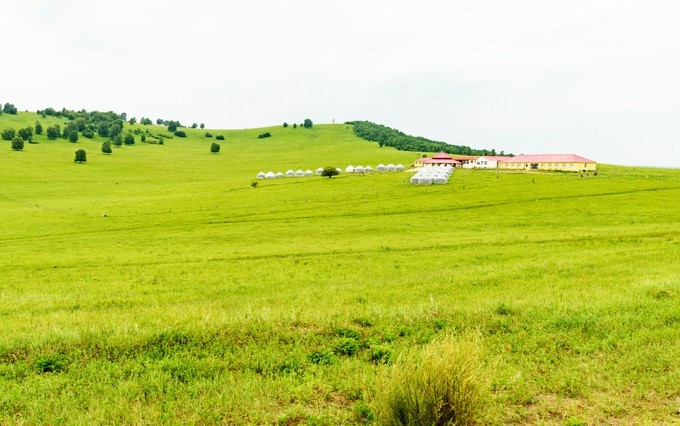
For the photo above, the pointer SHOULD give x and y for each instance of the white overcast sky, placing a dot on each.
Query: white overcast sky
(599, 78)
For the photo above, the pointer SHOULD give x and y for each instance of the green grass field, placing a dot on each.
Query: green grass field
(156, 285)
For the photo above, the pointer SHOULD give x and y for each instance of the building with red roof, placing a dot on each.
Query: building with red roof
(560, 162)
(439, 159)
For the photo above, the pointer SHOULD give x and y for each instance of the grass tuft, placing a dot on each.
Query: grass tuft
(443, 385)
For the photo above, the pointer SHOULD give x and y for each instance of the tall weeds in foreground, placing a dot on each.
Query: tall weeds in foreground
(445, 384)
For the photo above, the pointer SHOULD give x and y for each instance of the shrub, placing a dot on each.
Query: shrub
(81, 156)
(219, 137)
(443, 385)
(18, 143)
(264, 135)
(321, 357)
(347, 346)
(143, 138)
(38, 128)
(208, 135)
(215, 148)
(88, 133)
(180, 133)
(381, 354)
(52, 363)
(106, 147)
(73, 136)
(285, 124)
(117, 140)
(8, 134)
(129, 139)
(308, 123)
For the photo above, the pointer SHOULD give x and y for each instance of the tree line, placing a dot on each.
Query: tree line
(386, 136)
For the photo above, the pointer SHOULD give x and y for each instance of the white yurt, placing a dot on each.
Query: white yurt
(290, 173)
(440, 180)
(414, 179)
(260, 175)
(350, 169)
(270, 175)
(399, 167)
(381, 168)
(309, 173)
(391, 167)
(278, 175)
(359, 169)
(299, 173)
(368, 169)
(319, 170)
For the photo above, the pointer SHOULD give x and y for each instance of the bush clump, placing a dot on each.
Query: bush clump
(321, 357)
(215, 148)
(219, 137)
(18, 143)
(180, 133)
(443, 385)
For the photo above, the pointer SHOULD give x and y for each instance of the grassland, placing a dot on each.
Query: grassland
(156, 285)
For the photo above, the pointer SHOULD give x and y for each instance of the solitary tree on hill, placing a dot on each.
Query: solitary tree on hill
(106, 147)
(81, 156)
(215, 148)
(329, 172)
(308, 123)
(8, 134)
(9, 109)
(18, 143)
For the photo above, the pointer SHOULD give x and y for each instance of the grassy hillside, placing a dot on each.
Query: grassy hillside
(155, 284)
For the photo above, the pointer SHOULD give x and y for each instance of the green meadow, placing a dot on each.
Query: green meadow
(158, 285)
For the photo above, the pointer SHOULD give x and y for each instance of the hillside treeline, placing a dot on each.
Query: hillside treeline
(386, 136)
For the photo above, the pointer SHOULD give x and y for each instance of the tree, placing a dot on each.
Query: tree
(26, 133)
(294, 125)
(103, 129)
(53, 132)
(18, 143)
(285, 124)
(193, 126)
(215, 148)
(81, 156)
(129, 139)
(38, 128)
(308, 123)
(202, 126)
(132, 121)
(88, 133)
(143, 137)
(106, 147)
(172, 126)
(73, 136)
(117, 140)
(115, 129)
(329, 172)
(8, 134)
(9, 109)
(180, 133)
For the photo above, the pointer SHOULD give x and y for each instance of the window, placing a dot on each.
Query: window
(571, 165)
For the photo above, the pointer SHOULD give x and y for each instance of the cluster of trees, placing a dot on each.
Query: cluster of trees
(264, 135)
(386, 136)
(8, 109)
(307, 124)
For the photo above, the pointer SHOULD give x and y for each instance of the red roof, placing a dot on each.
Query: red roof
(496, 157)
(547, 158)
(439, 160)
(441, 155)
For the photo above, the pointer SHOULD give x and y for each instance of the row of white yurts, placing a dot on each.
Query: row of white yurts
(349, 169)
